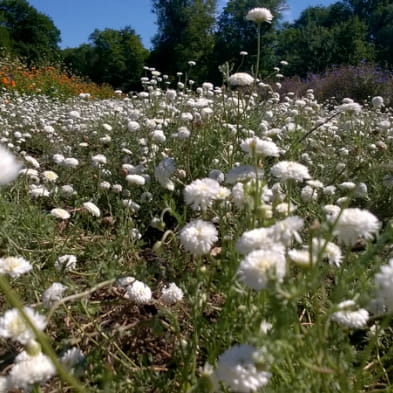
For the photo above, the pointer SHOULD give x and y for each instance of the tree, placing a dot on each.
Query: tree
(324, 36)
(378, 15)
(185, 33)
(27, 33)
(113, 56)
(236, 34)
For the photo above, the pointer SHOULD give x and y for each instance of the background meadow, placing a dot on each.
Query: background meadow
(196, 237)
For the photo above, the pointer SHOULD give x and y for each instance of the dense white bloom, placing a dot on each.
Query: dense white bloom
(60, 213)
(99, 159)
(92, 209)
(255, 239)
(198, 236)
(377, 101)
(201, 193)
(53, 294)
(237, 369)
(163, 171)
(259, 266)
(301, 257)
(286, 230)
(331, 252)
(133, 126)
(58, 158)
(259, 15)
(243, 173)
(384, 284)
(66, 262)
(38, 191)
(9, 166)
(138, 292)
(70, 162)
(50, 176)
(4, 384)
(260, 147)
(136, 179)
(105, 185)
(286, 170)
(354, 223)
(351, 107)
(31, 160)
(346, 316)
(28, 370)
(171, 294)
(240, 79)
(72, 357)
(14, 266)
(13, 326)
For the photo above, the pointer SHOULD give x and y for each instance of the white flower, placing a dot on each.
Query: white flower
(13, 326)
(331, 252)
(286, 230)
(260, 147)
(354, 223)
(377, 101)
(38, 191)
(259, 15)
(133, 126)
(70, 162)
(242, 173)
(259, 266)
(241, 79)
(171, 294)
(301, 257)
(14, 266)
(164, 170)
(237, 369)
(31, 160)
(50, 176)
(201, 193)
(72, 357)
(58, 158)
(198, 236)
(105, 185)
(60, 213)
(66, 262)
(346, 316)
(384, 284)
(4, 384)
(136, 179)
(9, 166)
(53, 294)
(259, 238)
(286, 170)
(29, 370)
(67, 190)
(99, 159)
(92, 209)
(139, 292)
(351, 107)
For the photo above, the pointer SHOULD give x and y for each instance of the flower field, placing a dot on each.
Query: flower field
(221, 239)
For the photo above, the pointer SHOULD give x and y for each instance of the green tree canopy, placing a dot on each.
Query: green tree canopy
(185, 33)
(324, 36)
(112, 56)
(27, 33)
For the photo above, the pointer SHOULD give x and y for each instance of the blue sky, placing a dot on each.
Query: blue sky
(76, 19)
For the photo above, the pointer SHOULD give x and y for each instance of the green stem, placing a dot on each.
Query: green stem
(258, 51)
(14, 301)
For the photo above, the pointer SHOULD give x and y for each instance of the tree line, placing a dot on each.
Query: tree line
(346, 32)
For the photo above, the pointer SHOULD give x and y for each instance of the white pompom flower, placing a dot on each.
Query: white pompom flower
(198, 237)
(260, 15)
